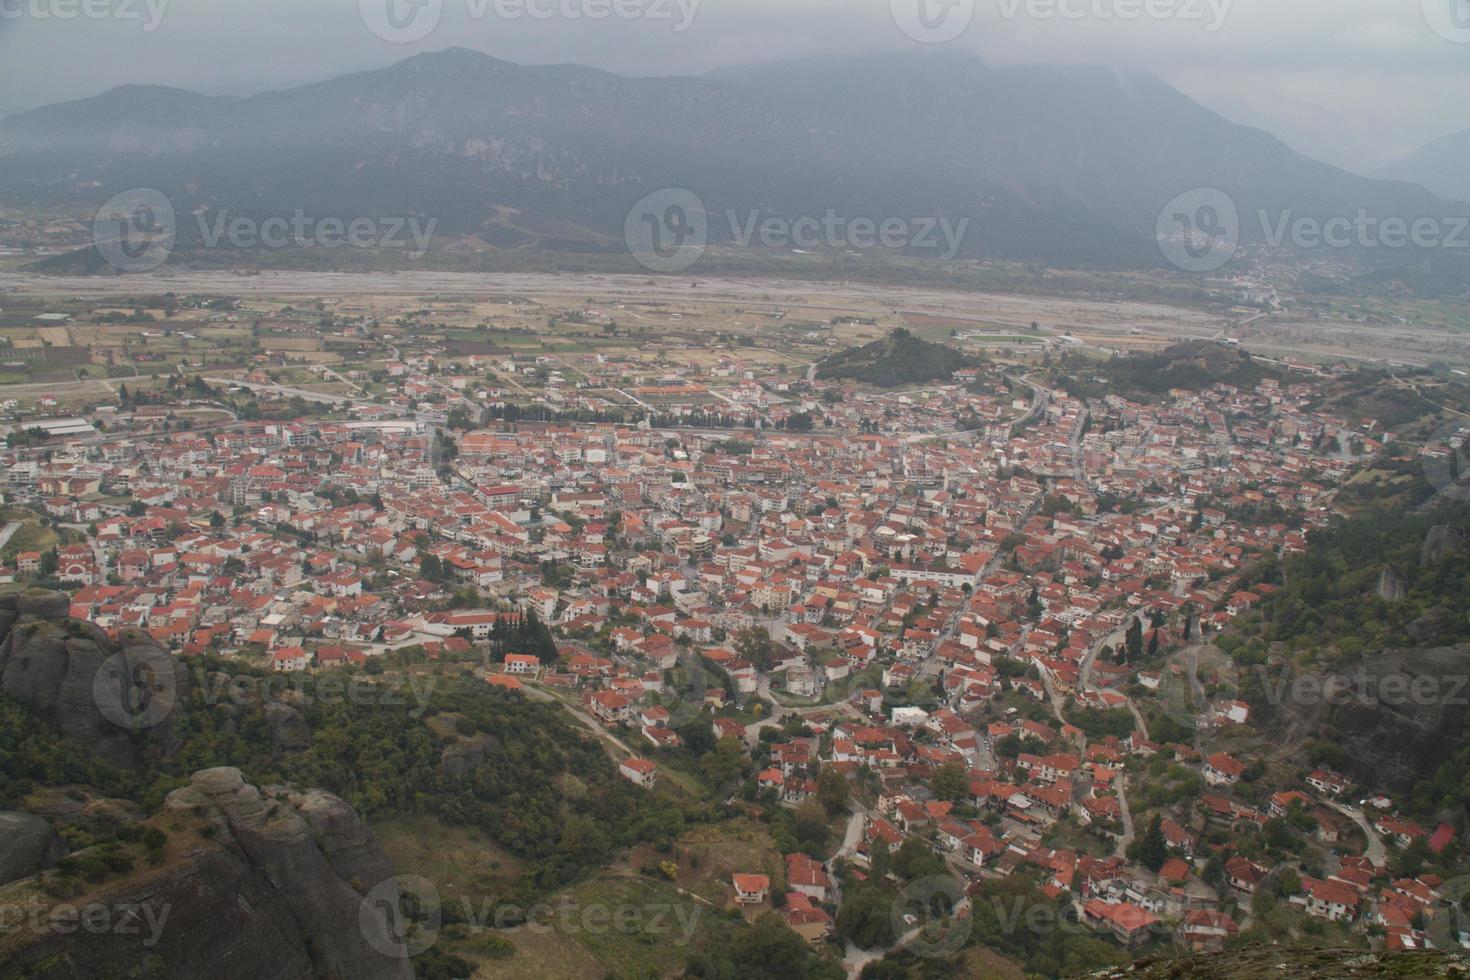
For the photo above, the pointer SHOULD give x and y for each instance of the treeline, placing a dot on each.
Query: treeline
(522, 634)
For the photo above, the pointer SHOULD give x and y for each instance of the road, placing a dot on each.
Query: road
(7, 532)
(1125, 815)
(582, 716)
(1376, 852)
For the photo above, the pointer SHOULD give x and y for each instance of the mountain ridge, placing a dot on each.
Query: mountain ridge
(1070, 166)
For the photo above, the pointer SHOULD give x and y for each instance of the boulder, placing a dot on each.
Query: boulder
(28, 845)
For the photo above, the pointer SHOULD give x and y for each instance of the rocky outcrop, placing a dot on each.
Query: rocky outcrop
(460, 758)
(1390, 585)
(278, 889)
(28, 845)
(290, 731)
(1440, 541)
(119, 699)
(1398, 716)
(78, 806)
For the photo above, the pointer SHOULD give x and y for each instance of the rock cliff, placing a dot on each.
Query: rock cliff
(260, 885)
(119, 699)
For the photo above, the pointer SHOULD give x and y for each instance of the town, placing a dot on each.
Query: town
(965, 625)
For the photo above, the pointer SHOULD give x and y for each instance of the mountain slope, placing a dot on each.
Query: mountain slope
(1069, 166)
(1442, 166)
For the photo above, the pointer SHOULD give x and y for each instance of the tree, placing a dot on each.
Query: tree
(879, 859)
(769, 950)
(865, 917)
(916, 859)
(755, 645)
(1134, 641)
(810, 823)
(431, 568)
(726, 763)
(951, 782)
(698, 736)
(1151, 850)
(800, 422)
(832, 790)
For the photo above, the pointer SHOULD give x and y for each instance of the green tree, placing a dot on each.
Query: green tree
(865, 917)
(725, 764)
(1133, 641)
(1152, 849)
(951, 782)
(832, 790)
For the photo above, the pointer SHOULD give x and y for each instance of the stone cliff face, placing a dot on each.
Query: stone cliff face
(1398, 716)
(118, 699)
(279, 891)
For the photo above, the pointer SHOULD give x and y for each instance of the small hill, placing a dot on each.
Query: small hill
(898, 359)
(1192, 366)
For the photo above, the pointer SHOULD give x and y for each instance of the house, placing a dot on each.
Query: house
(1244, 875)
(1205, 930)
(1332, 900)
(610, 707)
(639, 771)
(1403, 832)
(521, 663)
(750, 889)
(1130, 924)
(805, 918)
(289, 659)
(1223, 770)
(1331, 783)
(807, 876)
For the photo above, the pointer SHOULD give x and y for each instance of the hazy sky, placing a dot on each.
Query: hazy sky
(1355, 82)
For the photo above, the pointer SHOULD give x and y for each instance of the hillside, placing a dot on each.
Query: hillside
(1191, 366)
(1442, 166)
(212, 795)
(1068, 166)
(1325, 964)
(898, 359)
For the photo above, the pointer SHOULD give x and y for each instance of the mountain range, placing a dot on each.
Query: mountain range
(1443, 166)
(1069, 166)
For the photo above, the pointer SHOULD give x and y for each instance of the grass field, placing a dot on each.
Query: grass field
(31, 536)
(462, 862)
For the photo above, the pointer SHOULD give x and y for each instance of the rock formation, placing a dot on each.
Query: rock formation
(120, 699)
(277, 889)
